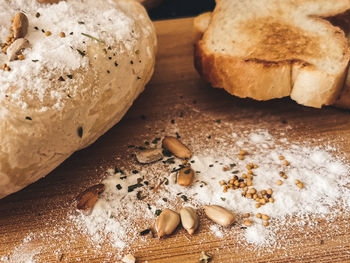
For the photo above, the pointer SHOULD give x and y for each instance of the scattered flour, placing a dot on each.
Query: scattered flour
(24, 253)
(216, 230)
(326, 191)
(133, 196)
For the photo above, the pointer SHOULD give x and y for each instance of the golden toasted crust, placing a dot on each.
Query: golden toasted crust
(239, 77)
(279, 41)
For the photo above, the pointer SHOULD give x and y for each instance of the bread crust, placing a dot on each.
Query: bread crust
(31, 148)
(239, 77)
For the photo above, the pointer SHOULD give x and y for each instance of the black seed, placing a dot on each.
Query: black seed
(80, 132)
(119, 187)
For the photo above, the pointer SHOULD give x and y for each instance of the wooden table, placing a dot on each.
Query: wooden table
(175, 88)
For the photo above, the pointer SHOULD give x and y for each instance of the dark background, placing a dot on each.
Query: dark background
(180, 8)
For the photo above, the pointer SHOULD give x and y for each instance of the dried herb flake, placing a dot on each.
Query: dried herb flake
(184, 197)
(158, 212)
(82, 53)
(133, 187)
(145, 232)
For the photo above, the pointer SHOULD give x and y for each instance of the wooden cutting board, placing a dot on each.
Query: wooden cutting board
(44, 205)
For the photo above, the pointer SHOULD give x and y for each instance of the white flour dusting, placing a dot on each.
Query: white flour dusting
(35, 78)
(325, 177)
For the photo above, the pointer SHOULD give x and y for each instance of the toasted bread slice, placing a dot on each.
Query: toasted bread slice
(201, 24)
(343, 21)
(274, 48)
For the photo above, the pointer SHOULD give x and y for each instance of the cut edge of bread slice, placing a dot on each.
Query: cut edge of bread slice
(343, 21)
(263, 80)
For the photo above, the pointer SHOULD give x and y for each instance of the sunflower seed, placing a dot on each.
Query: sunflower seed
(167, 222)
(176, 147)
(219, 215)
(189, 219)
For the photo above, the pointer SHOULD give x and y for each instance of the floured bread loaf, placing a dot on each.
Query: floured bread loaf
(84, 65)
(265, 49)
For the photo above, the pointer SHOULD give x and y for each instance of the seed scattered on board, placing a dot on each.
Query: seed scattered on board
(176, 147)
(167, 222)
(219, 215)
(129, 259)
(189, 219)
(149, 156)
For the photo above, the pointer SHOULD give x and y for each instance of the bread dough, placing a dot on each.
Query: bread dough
(68, 90)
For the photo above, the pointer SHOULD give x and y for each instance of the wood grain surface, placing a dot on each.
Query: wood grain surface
(176, 87)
